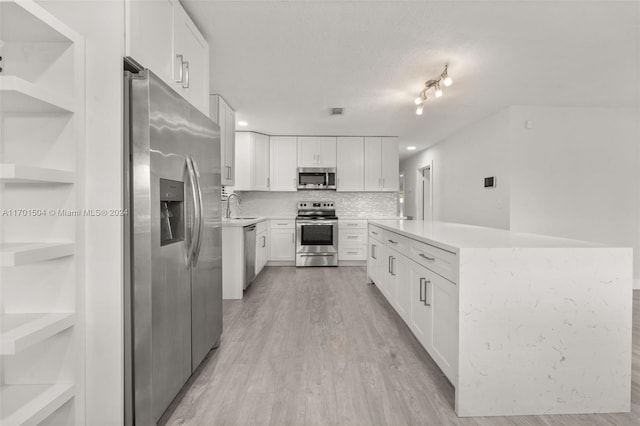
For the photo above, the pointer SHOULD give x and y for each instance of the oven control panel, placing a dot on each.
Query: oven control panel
(316, 205)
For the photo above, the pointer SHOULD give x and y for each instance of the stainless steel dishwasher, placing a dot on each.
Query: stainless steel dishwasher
(249, 254)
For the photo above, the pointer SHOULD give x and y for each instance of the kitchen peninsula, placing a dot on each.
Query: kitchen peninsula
(519, 323)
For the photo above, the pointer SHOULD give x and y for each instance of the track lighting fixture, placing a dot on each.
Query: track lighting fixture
(435, 83)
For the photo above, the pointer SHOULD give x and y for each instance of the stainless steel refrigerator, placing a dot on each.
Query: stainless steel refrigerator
(173, 269)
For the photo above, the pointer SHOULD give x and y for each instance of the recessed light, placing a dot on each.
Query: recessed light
(411, 148)
(243, 123)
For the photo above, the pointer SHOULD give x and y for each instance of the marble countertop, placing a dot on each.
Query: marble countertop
(455, 236)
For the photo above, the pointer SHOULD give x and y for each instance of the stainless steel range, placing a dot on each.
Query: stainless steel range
(316, 234)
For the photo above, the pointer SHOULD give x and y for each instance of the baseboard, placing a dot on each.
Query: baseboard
(281, 263)
(636, 283)
(352, 263)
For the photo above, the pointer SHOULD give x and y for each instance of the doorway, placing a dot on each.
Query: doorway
(425, 193)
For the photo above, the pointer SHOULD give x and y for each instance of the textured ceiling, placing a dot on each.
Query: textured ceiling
(283, 64)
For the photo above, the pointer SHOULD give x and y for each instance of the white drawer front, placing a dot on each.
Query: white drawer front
(440, 261)
(352, 253)
(283, 224)
(356, 237)
(375, 232)
(352, 224)
(396, 242)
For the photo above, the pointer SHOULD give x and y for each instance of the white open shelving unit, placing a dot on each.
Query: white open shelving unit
(41, 247)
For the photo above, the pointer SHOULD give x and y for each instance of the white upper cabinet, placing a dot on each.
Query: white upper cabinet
(225, 116)
(390, 168)
(149, 35)
(372, 163)
(316, 151)
(261, 162)
(162, 37)
(252, 162)
(283, 159)
(191, 60)
(243, 162)
(350, 164)
(381, 170)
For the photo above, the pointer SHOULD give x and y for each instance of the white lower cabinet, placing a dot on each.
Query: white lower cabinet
(352, 240)
(282, 241)
(425, 300)
(262, 247)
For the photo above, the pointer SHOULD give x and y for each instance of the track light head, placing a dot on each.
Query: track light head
(438, 91)
(447, 81)
(419, 109)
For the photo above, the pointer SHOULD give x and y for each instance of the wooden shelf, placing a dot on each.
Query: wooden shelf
(19, 95)
(31, 404)
(15, 254)
(25, 21)
(19, 173)
(19, 331)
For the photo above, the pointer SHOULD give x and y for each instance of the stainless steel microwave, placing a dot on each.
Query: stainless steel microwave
(316, 178)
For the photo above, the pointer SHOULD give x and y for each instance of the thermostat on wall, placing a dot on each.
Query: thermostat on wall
(490, 182)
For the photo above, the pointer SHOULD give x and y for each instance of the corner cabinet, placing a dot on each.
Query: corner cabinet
(225, 116)
(381, 159)
(42, 205)
(161, 36)
(252, 162)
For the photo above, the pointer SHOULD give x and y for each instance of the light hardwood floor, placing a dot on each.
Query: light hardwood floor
(319, 346)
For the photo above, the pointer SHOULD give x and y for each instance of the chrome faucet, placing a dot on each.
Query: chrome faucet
(229, 204)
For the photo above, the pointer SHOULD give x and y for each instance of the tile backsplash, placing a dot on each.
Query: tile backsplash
(348, 204)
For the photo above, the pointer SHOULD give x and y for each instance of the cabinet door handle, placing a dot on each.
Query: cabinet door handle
(181, 73)
(422, 255)
(373, 251)
(421, 296)
(229, 172)
(185, 83)
(264, 241)
(374, 232)
(352, 252)
(383, 182)
(352, 224)
(268, 182)
(393, 242)
(393, 266)
(352, 237)
(282, 224)
(390, 264)
(426, 293)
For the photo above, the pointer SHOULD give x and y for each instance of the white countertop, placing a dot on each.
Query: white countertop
(242, 221)
(370, 218)
(454, 236)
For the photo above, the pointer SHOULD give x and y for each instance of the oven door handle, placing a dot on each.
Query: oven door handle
(316, 254)
(317, 222)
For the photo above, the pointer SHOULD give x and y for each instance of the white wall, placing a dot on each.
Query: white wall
(460, 164)
(102, 25)
(576, 174)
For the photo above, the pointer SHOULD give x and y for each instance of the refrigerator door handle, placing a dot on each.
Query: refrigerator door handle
(196, 211)
(200, 211)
